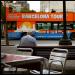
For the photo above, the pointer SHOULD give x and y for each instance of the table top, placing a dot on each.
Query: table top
(12, 58)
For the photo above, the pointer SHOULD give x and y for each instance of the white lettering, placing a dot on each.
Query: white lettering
(56, 16)
(13, 16)
(25, 16)
(44, 16)
(35, 16)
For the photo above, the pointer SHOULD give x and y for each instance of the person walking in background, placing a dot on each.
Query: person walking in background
(27, 40)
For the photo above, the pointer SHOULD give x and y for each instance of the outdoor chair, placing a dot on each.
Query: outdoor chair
(56, 64)
(24, 51)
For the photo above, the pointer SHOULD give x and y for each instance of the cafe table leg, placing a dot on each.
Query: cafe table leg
(41, 68)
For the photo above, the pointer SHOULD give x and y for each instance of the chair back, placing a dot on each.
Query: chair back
(25, 51)
(58, 57)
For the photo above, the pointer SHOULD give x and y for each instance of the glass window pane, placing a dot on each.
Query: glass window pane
(55, 26)
(44, 26)
(49, 25)
(74, 26)
(38, 26)
(9, 26)
(14, 27)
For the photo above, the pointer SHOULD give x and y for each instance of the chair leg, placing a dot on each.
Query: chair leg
(2, 70)
(16, 70)
(28, 71)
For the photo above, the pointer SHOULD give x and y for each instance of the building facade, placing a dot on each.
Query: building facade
(48, 6)
(23, 4)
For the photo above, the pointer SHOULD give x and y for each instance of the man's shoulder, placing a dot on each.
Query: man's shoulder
(28, 37)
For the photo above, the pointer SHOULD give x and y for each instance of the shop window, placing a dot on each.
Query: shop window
(74, 26)
(12, 25)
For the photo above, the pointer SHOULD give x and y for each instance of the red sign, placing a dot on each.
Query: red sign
(38, 16)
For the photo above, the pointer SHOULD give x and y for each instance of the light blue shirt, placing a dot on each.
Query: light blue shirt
(27, 41)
